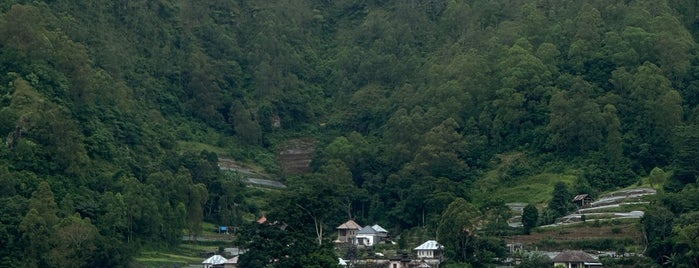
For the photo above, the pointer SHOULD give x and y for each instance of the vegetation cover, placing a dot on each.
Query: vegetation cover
(418, 108)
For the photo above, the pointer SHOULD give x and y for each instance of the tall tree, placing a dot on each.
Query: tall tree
(311, 200)
(561, 203)
(530, 217)
(198, 196)
(457, 229)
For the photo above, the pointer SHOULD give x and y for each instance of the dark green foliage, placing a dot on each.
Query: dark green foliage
(530, 218)
(272, 244)
(562, 201)
(412, 102)
(535, 260)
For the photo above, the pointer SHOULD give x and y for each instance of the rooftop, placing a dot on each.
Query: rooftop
(574, 256)
(429, 245)
(349, 225)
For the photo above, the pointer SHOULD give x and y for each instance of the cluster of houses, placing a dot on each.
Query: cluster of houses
(367, 236)
(428, 254)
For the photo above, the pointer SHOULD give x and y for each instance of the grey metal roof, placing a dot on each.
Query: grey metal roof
(379, 228)
(367, 230)
(429, 245)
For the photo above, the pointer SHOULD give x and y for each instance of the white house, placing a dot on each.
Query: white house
(429, 250)
(367, 236)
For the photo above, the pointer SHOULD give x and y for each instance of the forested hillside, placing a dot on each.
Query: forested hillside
(114, 114)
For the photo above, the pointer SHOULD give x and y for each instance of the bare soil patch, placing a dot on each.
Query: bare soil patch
(296, 154)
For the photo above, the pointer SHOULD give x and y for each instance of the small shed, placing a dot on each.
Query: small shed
(582, 200)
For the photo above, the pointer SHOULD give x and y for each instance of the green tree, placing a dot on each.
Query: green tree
(657, 227)
(77, 244)
(686, 232)
(198, 196)
(272, 245)
(457, 230)
(561, 202)
(614, 143)
(575, 120)
(535, 260)
(530, 218)
(439, 154)
(313, 200)
(656, 177)
(686, 162)
(245, 125)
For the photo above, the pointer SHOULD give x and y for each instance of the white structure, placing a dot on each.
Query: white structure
(367, 236)
(214, 260)
(429, 250)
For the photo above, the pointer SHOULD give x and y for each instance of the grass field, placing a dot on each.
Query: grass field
(534, 189)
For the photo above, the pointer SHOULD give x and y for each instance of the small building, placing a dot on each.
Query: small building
(367, 236)
(215, 261)
(347, 232)
(575, 259)
(582, 200)
(429, 250)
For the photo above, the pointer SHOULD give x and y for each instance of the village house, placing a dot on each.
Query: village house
(575, 259)
(367, 236)
(582, 200)
(429, 250)
(347, 232)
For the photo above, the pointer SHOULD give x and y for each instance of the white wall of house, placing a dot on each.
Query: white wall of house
(367, 240)
(425, 254)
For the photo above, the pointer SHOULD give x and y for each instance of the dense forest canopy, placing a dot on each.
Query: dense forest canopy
(106, 106)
